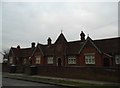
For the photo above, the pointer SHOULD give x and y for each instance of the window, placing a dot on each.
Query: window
(71, 60)
(24, 61)
(89, 58)
(117, 59)
(50, 60)
(10, 60)
(38, 59)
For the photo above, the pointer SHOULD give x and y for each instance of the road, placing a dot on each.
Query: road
(15, 83)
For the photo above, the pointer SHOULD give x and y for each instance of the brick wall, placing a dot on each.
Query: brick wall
(93, 73)
(98, 58)
(5, 67)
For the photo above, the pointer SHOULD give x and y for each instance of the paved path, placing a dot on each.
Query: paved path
(78, 80)
(14, 82)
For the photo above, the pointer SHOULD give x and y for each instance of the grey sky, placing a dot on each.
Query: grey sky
(24, 22)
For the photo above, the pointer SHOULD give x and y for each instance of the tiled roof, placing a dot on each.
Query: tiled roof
(105, 45)
(61, 38)
(111, 45)
(47, 50)
(24, 52)
(74, 47)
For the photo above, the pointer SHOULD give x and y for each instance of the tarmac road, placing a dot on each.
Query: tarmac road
(26, 84)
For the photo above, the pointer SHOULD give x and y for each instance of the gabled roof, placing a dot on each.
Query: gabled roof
(13, 51)
(110, 45)
(74, 47)
(106, 46)
(61, 39)
(48, 50)
(91, 41)
(24, 52)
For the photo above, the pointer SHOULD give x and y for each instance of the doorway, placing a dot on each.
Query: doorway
(59, 61)
(106, 62)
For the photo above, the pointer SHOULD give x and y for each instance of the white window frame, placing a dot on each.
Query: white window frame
(71, 60)
(10, 60)
(117, 59)
(50, 60)
(89, 58)
(24, 61)
(38, 60)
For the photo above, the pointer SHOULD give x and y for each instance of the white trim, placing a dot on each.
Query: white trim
(89, 39)
(40, 49)
(107, 55)
(117, 59)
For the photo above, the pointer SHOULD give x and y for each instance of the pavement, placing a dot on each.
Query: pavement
(77, 80)
(63, 79)
(22, 83)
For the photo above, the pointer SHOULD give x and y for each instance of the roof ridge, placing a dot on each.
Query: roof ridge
(45, 44)
(75, 41)
(26, 48)
(107, 38)
(60, 38)
(21, 48)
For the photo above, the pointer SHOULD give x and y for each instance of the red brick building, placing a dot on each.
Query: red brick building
(84, 52)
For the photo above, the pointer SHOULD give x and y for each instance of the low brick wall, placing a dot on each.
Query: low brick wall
(5, 67)
(93, 73)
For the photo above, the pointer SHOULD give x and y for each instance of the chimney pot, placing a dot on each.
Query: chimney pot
(33, 44)
(49, 41)
(82, 36)
(18, 47)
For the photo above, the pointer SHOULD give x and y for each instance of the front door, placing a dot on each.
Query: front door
(59, 61)
(106, 62)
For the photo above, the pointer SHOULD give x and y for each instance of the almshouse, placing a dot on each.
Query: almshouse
(84, 52)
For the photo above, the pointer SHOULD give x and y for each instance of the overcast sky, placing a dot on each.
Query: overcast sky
(25, 22)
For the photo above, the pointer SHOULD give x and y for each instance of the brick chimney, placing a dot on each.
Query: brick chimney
(49, 41)
(33, 45)
(18, 47)
(82, 36)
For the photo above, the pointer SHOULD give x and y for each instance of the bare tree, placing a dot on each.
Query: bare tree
(6, 51)
(5, 55)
